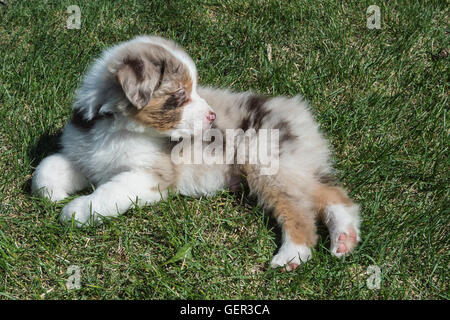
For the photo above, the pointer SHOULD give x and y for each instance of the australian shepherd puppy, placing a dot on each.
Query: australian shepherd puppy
(141, 97)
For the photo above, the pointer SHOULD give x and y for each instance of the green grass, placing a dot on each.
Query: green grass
(381, 97)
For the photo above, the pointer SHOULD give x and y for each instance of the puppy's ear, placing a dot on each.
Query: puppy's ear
(138, 79)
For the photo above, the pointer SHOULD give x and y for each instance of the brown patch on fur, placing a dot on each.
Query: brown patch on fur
(327, 178)
(255, 107)
(325, 195)
(137, 66)
(285, 133)
(297, 223)
(137, 79)
(157, 116)
(259, 116)
(255, 102)
(297, 220)
(165, 108)
(245, 124)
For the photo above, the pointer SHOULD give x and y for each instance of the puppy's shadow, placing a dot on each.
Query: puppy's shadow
(47, 144)
(244, 195)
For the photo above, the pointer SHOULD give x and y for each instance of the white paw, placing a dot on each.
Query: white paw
(291, 255)
(80, 210)
(56, 177)
(344, 229)
(52, 195)
(344, 240)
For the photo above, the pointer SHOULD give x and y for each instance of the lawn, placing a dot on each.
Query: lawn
(380, 96)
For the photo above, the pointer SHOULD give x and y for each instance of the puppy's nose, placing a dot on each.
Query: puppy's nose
(211, 116)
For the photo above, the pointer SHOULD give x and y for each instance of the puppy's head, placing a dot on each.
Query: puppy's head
(160, 81)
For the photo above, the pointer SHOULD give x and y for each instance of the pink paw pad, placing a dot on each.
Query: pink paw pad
(347, 241)
(292, 266)
(289, 267)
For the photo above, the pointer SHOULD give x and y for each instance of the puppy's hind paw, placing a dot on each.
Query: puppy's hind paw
(343, 223)
(290, 256)
(344, 242)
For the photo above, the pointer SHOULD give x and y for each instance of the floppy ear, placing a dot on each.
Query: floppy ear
(138, 79)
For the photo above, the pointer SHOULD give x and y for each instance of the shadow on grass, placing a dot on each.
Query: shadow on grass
(47, 144)
(246, 197)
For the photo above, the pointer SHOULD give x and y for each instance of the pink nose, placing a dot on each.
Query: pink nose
(211, 116)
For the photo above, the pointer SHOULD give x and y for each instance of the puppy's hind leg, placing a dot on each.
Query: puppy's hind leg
(56, 178)
(293, 211)
(298, 234)
(340, 215)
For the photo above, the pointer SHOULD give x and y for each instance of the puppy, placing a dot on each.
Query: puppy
(135, 104)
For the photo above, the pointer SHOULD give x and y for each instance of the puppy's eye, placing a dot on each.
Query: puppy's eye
(180, 93)
(176, 99)
(182, 96)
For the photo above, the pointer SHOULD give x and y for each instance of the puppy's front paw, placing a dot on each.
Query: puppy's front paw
(53, 195)
(79, 209)
(290, 256)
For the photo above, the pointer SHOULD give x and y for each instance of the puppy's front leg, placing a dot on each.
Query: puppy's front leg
(113, 198)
